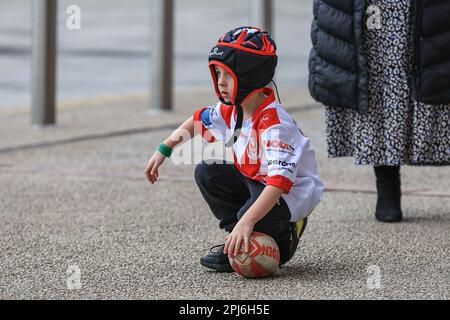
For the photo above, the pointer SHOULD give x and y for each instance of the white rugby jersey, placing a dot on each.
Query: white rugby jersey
(271, 148)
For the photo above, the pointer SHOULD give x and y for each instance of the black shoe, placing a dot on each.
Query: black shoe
(389, 194)
(217, 260)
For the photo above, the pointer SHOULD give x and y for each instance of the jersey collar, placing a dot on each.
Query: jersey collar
(267, 100)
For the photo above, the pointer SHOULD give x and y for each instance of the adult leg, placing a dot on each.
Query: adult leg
(388, 207)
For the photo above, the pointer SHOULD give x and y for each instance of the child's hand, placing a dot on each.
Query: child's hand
(151, 171)
(241, 232)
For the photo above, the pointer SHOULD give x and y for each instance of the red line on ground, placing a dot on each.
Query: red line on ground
(141, 177)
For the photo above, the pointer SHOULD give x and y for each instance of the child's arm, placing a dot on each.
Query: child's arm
(185, 130)
(243, 229)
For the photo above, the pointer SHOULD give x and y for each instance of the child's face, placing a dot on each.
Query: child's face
(225, 83)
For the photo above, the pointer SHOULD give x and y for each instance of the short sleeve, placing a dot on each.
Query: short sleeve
(283, 147)
(210, 122)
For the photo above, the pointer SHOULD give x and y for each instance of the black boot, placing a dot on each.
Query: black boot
(389, 193)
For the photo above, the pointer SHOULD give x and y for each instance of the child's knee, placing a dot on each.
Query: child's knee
(203, 172)
(199, 173)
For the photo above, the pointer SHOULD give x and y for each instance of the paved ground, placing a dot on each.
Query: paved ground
(74, 200)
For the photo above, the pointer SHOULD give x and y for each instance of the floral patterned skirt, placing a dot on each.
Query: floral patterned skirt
(397, 130)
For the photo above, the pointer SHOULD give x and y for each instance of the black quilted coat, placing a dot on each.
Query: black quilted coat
(338, 75)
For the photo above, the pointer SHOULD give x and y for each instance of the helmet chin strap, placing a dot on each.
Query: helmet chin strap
(239, 120)
(238, 126)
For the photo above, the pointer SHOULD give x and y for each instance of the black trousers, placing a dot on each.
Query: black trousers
(230, 194)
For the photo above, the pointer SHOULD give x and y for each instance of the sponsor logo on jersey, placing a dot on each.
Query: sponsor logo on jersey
(278, 144)
(282, 163)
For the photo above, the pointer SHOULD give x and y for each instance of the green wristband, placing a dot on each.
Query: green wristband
(164, 149)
